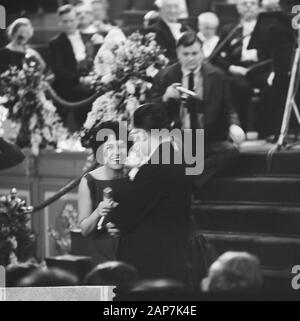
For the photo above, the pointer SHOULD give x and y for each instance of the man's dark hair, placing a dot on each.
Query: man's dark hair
(65, 9)
(151, 116)
(188, 39)
(15, 273)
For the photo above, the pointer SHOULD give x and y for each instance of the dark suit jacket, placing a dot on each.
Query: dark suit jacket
(10, 155)
(165, 38)
(63, 62)
(154, 220)
(231, 54)
(219, 112)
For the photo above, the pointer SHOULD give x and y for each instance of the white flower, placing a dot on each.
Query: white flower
(132, 105)
(130, 87)
(33, 122)
(108, 78)
(47, 134)
(90, 121)
(151, 71)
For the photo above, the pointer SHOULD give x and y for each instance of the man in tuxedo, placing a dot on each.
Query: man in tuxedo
(237, 60)
(211, 109)
(154, 220)
(71, 57)
(168, 30)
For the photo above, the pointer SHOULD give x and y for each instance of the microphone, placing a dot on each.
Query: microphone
(185, 91)
(107, 198)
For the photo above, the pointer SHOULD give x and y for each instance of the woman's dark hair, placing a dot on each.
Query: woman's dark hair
(188, 39)
(151, 116)
(90, 139)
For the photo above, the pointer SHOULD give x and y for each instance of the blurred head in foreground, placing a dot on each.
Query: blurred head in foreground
(234, 272)
(112, 274)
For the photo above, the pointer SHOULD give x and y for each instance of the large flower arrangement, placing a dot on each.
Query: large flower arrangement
(17, 240)
(124, 72)
(36, 121)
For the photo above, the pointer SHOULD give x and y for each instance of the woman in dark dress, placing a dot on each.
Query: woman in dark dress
(14, 54)
(102, 246)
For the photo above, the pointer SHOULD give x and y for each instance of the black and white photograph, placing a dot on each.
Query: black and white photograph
(149, 151)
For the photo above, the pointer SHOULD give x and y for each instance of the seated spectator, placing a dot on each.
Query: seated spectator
(240, 61)
(85, 19)
(72, 55)
(168, 30)
(15, 52)
(208, 23)
(15, 273)
(233, 273)
(118, 274)
(183, 9)
(48, 278)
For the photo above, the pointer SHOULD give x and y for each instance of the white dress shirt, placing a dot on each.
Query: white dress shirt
(209, 45)
(198, 81)
(175, 28)
(78, 46)
(248, 55)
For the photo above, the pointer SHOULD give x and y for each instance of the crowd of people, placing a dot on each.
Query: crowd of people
(234, 275)
(148, 224)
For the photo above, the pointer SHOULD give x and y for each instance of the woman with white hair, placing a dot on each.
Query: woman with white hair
(19, 33)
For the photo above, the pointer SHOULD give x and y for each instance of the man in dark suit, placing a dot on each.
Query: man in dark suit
(237, 59)
(154, 220)
(168, 30)
(211, 109)
(71, 57)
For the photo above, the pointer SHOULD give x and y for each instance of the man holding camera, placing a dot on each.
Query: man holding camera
(209, 107)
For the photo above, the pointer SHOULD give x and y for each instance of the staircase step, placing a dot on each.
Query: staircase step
(276, 190)
(276, 252)
(275, 220)
(255, 162)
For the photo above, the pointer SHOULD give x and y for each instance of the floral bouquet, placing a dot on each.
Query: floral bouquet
(39, 126)
(16, 237)
(124, 73)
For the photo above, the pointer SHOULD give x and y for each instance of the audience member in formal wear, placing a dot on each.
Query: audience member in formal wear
(168, 30)
(236, 59)
(183, 9)
(154, 219)
(15, 52)
(72, 56)
(211, 109)
(208, 24)
(234, 273)
(111, 153)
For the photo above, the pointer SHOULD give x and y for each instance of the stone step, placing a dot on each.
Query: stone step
(275, 252)
(273, 220)
(267, 190)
